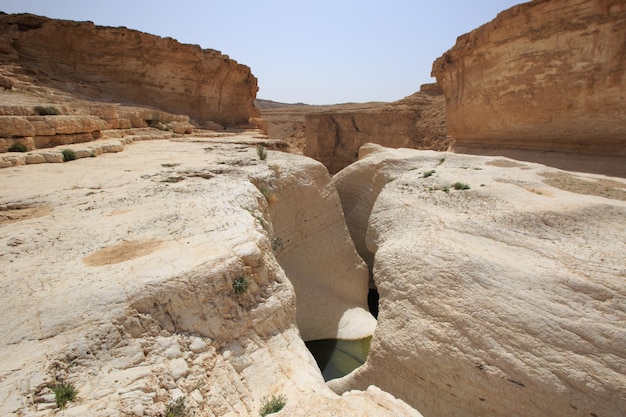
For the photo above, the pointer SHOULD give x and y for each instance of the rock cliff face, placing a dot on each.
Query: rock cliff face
(123, 65)
(545, 81)
(490, 307)
(417, 121)
(124, 284)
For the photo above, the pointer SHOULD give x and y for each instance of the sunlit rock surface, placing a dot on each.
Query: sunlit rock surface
(502, 284)
(544, 81)
(118, 277)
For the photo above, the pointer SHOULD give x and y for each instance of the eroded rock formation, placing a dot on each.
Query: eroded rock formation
(122, 65)
(124, 284)
(489, 306)
(544, 81)
(417, 121)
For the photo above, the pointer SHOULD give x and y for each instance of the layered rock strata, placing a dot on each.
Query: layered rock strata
(23, 131)
(122, 65)
(544, 81)
(489, 306)
(417, 121)
(159, 281)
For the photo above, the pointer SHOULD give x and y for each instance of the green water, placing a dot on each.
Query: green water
(337, 357)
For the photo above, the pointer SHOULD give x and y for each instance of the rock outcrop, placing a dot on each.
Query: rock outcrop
(489, 307)
(122, 65)
(417, 121)
(544, 81)
(159, 281)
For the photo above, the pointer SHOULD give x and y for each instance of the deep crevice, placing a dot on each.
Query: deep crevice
(372, 301)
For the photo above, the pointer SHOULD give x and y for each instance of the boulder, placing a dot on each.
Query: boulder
(544, 81)
(501, 284)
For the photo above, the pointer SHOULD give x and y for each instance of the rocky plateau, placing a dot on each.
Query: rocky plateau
(123, 284)
(502, 283)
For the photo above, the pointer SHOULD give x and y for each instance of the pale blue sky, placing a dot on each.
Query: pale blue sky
(316, 52)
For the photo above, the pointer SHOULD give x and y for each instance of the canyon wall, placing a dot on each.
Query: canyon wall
(489, 307)
(122, 65)
(544, 81)
(417, 121)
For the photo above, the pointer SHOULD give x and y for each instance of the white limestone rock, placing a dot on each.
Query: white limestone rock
(503, 299)
(125, 271)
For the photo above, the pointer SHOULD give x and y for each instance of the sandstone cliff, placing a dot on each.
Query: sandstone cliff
(124, 284)
(417, 121)
(544, 81)
(489, 307)
(122, 65)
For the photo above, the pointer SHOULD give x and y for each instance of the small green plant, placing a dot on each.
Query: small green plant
(64, 393)
(18, 147)
(428, 173)
(276, 169)
(260, 151)
(277, 243)
(460, 186)
(268, 193)
(177, 408)
(241, 284)
(441, 161)
(272, 405)
(68, 155)
(46, 110)
(445, 189)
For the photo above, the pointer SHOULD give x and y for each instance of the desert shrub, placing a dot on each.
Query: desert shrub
(46, 110)
(240, 284)
(460, 186)
(277, 243)
(260, 151)
(177, 408)
(276, 169)
(272, 405)
(445, 189)
(428, 173)
(68, 155)
(268, 193)
(64, 393)
(18, 147)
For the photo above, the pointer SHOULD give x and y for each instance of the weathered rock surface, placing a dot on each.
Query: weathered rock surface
(77, 121)
(544, 81)
(122, 284)
(417, 121)
(503, 299)
(122, 65)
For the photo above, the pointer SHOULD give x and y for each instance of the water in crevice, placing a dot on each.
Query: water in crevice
(338, 357)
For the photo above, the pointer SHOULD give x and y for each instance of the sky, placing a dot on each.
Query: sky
(301, 51)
